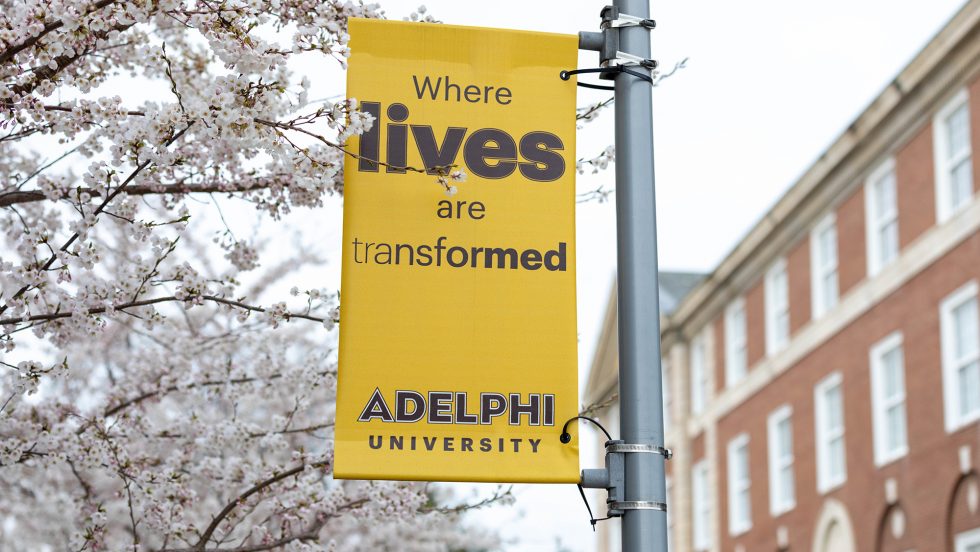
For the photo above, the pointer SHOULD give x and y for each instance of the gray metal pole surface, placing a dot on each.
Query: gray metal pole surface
(640, 393)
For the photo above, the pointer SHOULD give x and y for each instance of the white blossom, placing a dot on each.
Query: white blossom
(148, 377)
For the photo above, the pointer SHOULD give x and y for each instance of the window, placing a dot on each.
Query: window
(782, 484)
(829, 415)
(777, 307)
(739, 499)
(960, 331)
(951, 147)
(888, 399)
(881, 217)
(823, 265)
(968, 541)
(735, 343)
(699, 374)
(701, 506)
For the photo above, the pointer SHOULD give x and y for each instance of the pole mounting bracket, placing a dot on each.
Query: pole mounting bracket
(613, 477)
(612, 60)
(614, 19)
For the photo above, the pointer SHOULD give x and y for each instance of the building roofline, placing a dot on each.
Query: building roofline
(914, 73)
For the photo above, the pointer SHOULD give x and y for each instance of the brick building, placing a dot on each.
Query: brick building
(823, 382)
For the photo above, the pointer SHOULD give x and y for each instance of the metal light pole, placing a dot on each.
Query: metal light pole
(634, 474)
(640, 393)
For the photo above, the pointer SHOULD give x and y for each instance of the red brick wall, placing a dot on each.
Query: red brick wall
(890, 540)
(697, 448)
(719, 329)
(974, 92)
(962, 519)
(852, 264)
(755, 323)
(925, 477)
(798, 267)
(915, 183)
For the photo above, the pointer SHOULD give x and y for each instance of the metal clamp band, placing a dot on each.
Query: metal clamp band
(630, 60)
(638, 505)
(633, 448)
(625, 20)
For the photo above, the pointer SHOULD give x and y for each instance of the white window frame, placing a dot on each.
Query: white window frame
(944, 209)
(951, 397)
(736, 343)
(967, 538)
(823, 299)
(880, 404)
(827, 481)
(699, 373)
(739, 522)
(700, 507)
(778, 463)
(774, 341)
(875, 225)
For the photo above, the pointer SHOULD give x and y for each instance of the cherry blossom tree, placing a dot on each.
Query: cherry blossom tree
(163, 384)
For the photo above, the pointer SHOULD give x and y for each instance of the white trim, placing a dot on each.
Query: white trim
(967, 538)
(700, 507)
(920, 255)
(880, 404)
(944, 210)
(833, 513)
(736, 351)
(823, 297)
(951, 388)
(739, 521)
(872, 224)
(824, 435)
(778, 463)
(774, 341)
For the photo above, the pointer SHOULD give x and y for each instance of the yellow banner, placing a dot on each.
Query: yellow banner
(458, 325)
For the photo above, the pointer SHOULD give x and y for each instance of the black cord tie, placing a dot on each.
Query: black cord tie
(615, 69)
(592, 518)
(566, 437)
(624, 20)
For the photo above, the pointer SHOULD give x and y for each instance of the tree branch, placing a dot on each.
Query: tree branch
(86, 487)
(62, 62)
(593, 408)
(9, 53)
(113, 410)
(258, 487)
(96, 213)
(312, 533)
(12, 198)
(48, 317)
(498, 495)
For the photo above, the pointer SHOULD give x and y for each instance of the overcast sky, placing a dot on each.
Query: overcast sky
(769, 85)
